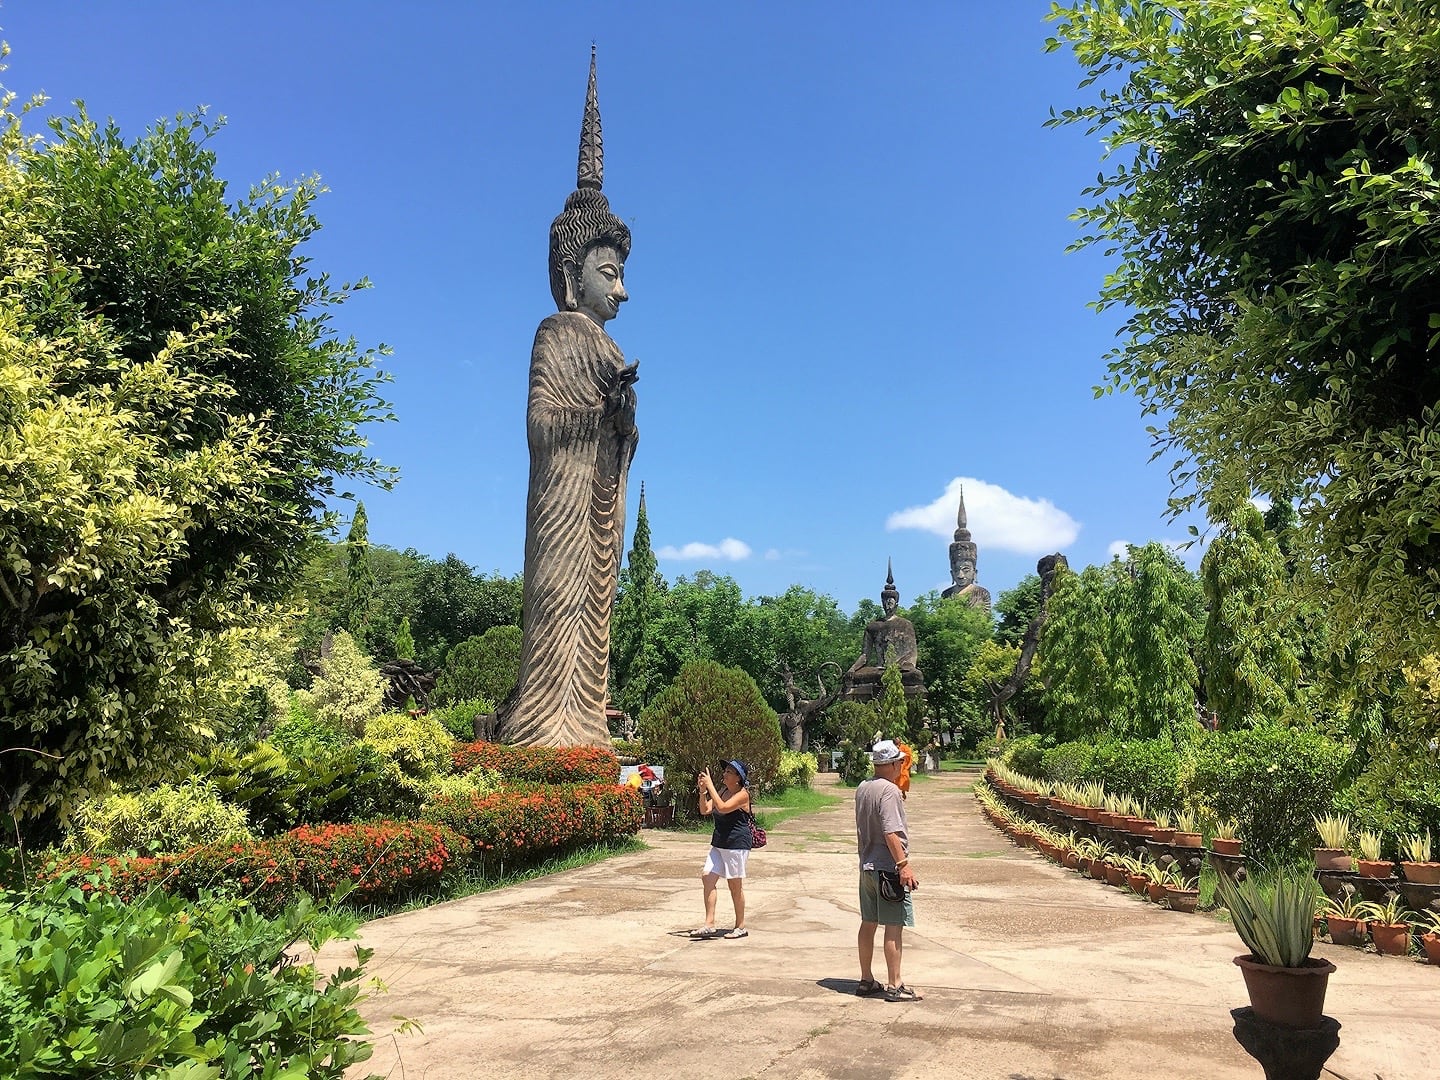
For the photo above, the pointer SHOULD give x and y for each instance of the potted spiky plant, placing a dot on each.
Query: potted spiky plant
(1416, 864)
(1333, 852)
(1186, 831)
(1226, 840)
(1272, 914)
(1344, 917)
(1369, 863)
(1182, 893)
(1388, 928)
(1427, 928)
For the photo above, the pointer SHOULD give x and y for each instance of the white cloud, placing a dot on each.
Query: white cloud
(772, 554)
(728, 549)
(997, 519)
(1261, 503)
(1118, 549)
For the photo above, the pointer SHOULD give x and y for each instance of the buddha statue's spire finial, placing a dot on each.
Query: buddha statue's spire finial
(590, 172)
(642, 494)
(962, 526)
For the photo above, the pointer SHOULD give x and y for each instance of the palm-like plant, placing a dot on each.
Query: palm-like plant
(1417, 847)
(1334, 830)
(1346, 904)
(1369, 844)
(1272, 914)
(1391, 913)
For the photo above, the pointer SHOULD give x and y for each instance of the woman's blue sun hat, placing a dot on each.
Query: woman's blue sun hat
(740, 769)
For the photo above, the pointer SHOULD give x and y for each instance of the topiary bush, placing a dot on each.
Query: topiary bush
(525, 825)
(709, 714)
(1272, 781)
(856, 724)
(459, 719)
(540, 764)
(170, 817)
(1025, 755)
(486, 666)
(1147, 769)
(1067, 763)
(170, 989)
(796, 770)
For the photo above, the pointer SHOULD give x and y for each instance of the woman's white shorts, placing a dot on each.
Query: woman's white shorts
(723, 862)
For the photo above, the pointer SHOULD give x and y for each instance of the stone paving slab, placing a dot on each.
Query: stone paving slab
(1030, 972)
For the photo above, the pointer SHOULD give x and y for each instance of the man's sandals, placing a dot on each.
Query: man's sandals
(902, 993)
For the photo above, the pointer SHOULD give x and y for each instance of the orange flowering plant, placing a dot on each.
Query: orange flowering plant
(541, 764)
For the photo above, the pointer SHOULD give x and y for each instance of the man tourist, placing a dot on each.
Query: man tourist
(883, 841)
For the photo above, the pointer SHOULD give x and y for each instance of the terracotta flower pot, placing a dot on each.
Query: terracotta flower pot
(1187, 839)
(1375, 868)
(1346, 931)
(1391, 939)
(1421, 873)
(1115, 875)
(1138, 883)
(1072, 859)
(1186, 900)
(1162, 836)
(1431, 944)
(1289, 997)
(1332, 858)
(1222, 846)
(1156, 891)
(1097, 869)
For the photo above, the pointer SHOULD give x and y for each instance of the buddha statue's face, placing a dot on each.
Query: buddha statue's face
(965, 574)
(601, 287)
(888, 603)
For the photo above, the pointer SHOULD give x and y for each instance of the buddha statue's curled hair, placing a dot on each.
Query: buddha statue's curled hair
(585, 222)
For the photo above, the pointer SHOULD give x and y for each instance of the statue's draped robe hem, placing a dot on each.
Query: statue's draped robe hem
(574, 536)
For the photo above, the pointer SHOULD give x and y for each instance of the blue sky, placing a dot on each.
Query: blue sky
(849, 285)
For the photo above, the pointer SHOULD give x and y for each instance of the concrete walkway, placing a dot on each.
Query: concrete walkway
(1029, 971)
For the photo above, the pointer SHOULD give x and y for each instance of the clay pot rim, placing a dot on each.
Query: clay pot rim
(1314, 965)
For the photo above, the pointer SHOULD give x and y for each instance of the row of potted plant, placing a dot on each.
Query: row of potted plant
(1387, 923)
(1335, 852)
(1091, 802)
(1140, 874)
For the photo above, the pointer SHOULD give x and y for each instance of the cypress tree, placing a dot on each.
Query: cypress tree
(360, 579)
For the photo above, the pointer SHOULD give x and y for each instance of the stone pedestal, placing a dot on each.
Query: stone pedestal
(1286, 1053)
(1230, 866)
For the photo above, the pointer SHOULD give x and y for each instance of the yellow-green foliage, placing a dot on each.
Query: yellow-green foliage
(796, 770)
(164, 819)
(348, 691)
(418, 744)
(474, 782)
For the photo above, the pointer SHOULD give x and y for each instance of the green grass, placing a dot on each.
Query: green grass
(792, 802)
(949, 765)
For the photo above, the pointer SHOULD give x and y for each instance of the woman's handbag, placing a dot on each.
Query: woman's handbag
(891, 888)
(757, 834)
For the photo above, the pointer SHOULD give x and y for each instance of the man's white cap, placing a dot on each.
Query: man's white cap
(885, 753)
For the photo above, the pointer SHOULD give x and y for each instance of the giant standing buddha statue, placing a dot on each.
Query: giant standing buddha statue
(580, 424)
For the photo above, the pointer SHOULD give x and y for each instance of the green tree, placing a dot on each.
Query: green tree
(453, 602)
(360, 579)
(635, 662)
(712, 713)
(175, 411)
(890, 711)
(404, 643)
(485, 667)
(1274, 213)
(1251, 670)
(948, 634)
(349, 691)
(1015, 608)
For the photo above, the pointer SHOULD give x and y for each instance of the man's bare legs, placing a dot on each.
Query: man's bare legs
(894, 946)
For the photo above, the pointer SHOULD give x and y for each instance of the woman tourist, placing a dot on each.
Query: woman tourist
(730, 844)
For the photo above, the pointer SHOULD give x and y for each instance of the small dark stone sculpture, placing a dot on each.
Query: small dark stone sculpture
(795, 721)
(964, 554)
(888, 640)
(1286, 1053)
(407, 680)
(580, 423)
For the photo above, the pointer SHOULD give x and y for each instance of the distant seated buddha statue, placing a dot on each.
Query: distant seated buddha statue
(888, 640)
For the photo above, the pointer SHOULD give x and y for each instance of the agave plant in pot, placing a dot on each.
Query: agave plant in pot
(1427, 928)
(1334, 850)
(1388, 928)
(1181, 893)
(1344, 917)
(1272, 913)
(1416, 864)
(1226, 840)
(1186, 831)
(1369, 864)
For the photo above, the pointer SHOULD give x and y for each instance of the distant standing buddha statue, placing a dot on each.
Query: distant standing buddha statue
(889, 639)
(580, 424)
(963, 555)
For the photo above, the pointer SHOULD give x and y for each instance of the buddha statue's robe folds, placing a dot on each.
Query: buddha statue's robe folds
(581, 429)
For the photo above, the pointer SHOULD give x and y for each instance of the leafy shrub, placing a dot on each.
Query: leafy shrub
(1025, 755)
(464, 786)
(276, 792)
(540, 764)
(386, 862)
(989, 747)
(712, 713)
(301, 731)
(1398, 793)
(420, 745)
(348, 691)
(1067, 763)
(855, 724)
(1273, 781)
(1148, 769)
(796, 770)
(459, 719)
(632, 748)
(487, 667)
(166, 818)
(169, 990)
(528, 824)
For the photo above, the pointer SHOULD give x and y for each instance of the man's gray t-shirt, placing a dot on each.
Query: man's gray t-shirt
(879, 809)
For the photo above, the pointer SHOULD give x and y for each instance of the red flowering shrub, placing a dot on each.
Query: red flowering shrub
(541, 764)
(530, 823)
(386, 861)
